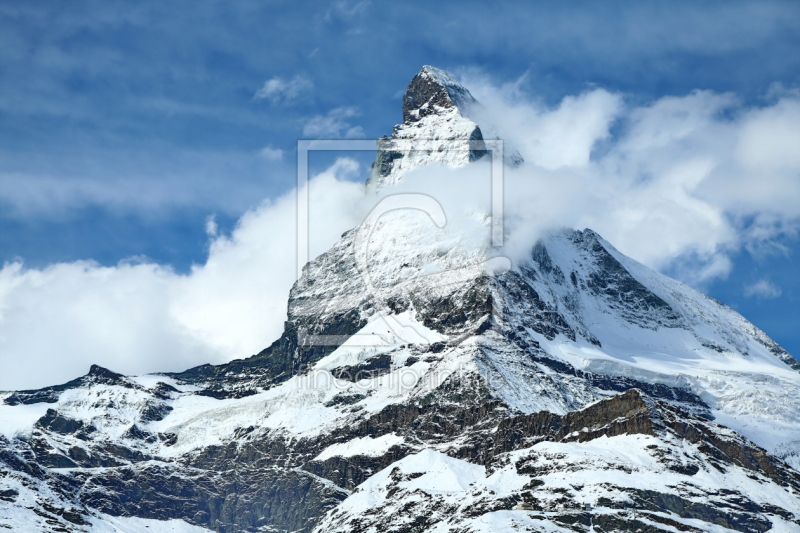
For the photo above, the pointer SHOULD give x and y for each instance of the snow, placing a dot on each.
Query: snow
(112, 409)
(19, 419)
(706, 348)
(752, 392)
(440, 474)
(743, 382)
(296, 407)
(748, 388)
(604, 467)
(371, 447)
(128, 524)
(27, 513)
(382, 334)
(442, 137)
(625, 461)
(444, 79)
(439, 137)
(150, 381)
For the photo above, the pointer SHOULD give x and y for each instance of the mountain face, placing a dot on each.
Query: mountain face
(417, 389)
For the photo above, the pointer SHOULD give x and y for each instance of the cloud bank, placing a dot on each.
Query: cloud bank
(679, 183)
(142, 317)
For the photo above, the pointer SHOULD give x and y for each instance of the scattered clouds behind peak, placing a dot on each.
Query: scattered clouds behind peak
(279, 90)
(335, 124)
(763, 289)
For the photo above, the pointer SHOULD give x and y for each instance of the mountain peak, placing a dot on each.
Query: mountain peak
(439, 126)
(98, 371)
(430, 89)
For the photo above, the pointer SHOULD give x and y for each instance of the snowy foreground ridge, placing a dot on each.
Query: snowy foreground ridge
(423, 385)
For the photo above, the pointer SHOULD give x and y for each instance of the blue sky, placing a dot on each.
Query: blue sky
(124, 127)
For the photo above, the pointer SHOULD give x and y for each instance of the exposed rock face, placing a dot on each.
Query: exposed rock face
(407, 497)
(432, 90)
(96, 375)
(446, 398)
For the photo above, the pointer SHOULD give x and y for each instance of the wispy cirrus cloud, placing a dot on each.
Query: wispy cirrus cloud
(333, 125)
(271, 154)
(763, 289)
(345, 9)
(280, 90)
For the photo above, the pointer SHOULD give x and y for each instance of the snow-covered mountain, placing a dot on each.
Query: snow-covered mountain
(420, 387)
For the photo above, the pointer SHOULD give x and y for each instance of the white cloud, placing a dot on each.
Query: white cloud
(142, 317)
(684, 182)
(211, 226)
(770, 138)
(279, 89)
(346, 9)
(333, 125)
(271, 154)
(763, 289)
(550, 138)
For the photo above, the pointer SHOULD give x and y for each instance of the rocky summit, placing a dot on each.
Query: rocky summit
(440, 125)
(415, 389)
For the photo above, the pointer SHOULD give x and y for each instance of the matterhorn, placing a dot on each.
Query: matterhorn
(426, 383)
